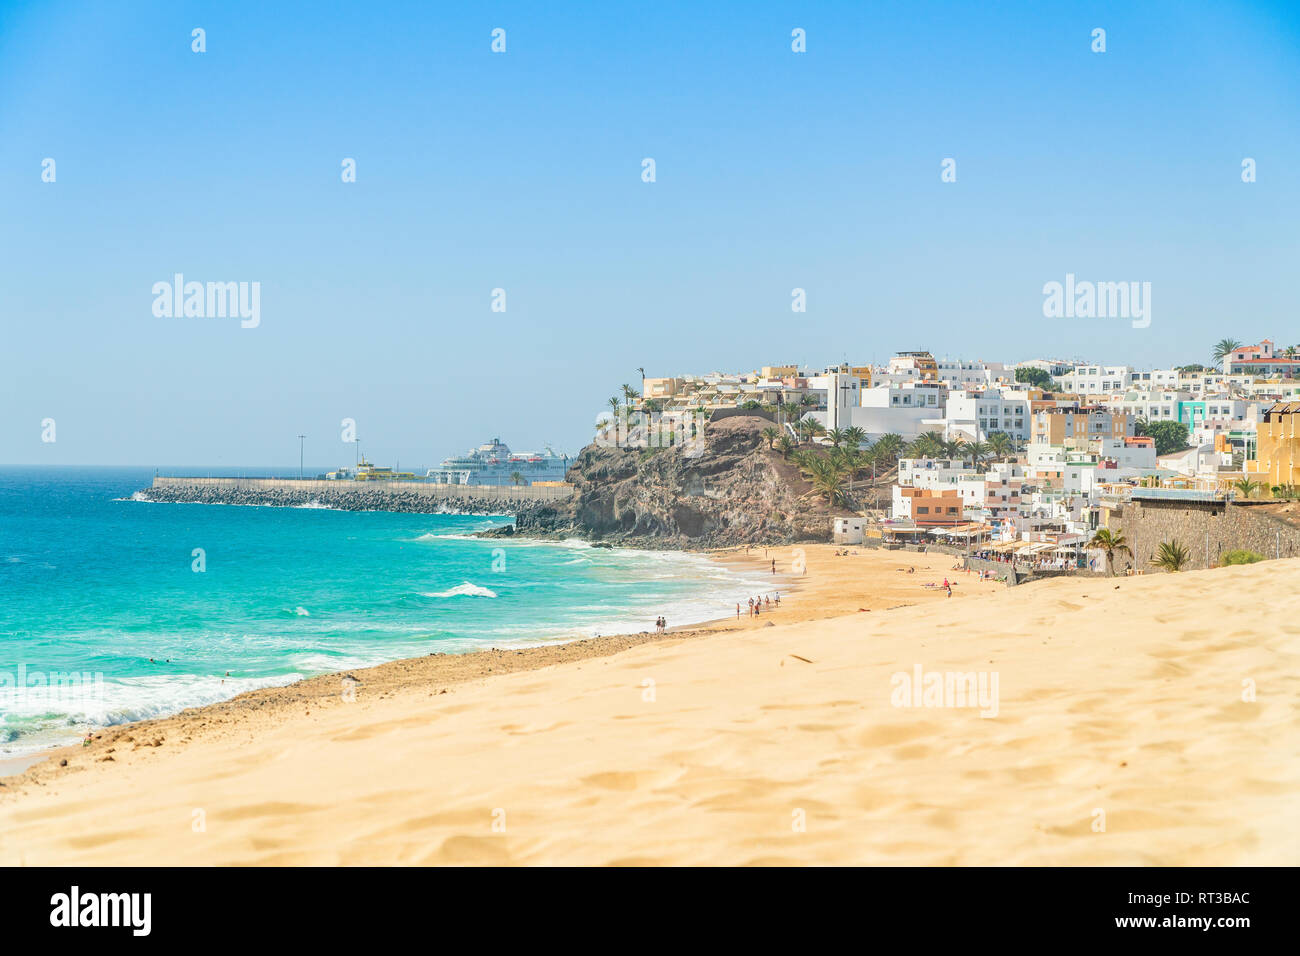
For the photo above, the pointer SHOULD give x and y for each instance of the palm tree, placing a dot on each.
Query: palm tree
(1111, 543)
(517, 477)
(614, 404)
(1002, 445)
(1222, 349)
(929, 445)
(771, 434)
(826, 477)
(976, 451)
(854, 436)
(888, 447)
(785, 446)
(810, 428)
(1247, 486)
(630, 393)
(1171, 556)
(836, 435)
(873, 456)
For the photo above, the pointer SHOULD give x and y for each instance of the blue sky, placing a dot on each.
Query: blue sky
(522, 171)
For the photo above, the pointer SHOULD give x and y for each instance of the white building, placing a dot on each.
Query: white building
(1097, 379)
(906, 410)
(849, 530)
(843, 396)
(932, 472)
(956, 374)
(976, 414)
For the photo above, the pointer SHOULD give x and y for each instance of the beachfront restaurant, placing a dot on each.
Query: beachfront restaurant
(966, 535)
(896, 532)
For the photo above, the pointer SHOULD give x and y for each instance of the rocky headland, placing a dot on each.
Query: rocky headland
(736, 492)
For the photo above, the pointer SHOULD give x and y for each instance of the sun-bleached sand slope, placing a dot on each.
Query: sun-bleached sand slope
(1116, 695)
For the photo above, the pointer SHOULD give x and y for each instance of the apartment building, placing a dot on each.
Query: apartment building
(1098, 379)
(914, 366)
(1277, 452)
(1073, 426)
(932, 472)
(927, 507)
(956, 374)
(976, 414)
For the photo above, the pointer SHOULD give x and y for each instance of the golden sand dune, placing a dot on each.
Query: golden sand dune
(1124, 733)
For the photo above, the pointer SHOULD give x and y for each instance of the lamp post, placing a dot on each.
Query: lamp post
(301, 439)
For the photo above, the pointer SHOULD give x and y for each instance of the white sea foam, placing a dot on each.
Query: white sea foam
(466, 589)
(125, 699)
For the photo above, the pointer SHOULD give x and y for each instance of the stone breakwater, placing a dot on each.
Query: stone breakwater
(411, 497)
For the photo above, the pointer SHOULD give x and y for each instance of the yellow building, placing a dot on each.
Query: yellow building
(1277, 447)
(662, 387)
(780, 371)
(861, 372)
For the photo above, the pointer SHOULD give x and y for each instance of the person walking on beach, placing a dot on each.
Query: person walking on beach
(737, 610)
(751, 607)
(774, 565)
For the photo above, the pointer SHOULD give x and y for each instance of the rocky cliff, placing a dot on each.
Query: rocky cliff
(735, 492)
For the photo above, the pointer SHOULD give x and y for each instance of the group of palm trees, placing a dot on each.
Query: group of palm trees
(629, 395)
(1170, 556)
(846, 455)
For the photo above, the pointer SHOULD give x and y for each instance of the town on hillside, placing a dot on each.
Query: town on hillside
(1039, 466)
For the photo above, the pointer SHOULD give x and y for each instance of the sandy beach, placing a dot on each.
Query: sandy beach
(1147, 720)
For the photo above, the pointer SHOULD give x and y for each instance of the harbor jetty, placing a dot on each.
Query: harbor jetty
(408, 496)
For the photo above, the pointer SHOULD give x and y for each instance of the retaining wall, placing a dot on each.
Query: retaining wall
(1206, 529)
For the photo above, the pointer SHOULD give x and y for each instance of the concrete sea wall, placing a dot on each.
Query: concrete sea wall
(409, 496)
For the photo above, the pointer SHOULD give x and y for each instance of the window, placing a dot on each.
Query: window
(923, 510)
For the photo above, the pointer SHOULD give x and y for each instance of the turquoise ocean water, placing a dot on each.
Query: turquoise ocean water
(95, 583)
